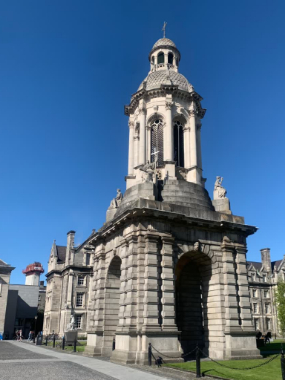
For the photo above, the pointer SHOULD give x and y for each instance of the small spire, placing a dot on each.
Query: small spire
(163, 28)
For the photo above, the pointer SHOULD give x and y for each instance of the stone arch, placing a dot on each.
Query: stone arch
(112, 302)
(198, 300)
(151, 118)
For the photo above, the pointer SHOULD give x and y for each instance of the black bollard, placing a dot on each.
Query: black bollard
(282, 363)
(74, 346)
(198, 363)
(46, 340)
(149, 354)
(53, 343)
(63, 343)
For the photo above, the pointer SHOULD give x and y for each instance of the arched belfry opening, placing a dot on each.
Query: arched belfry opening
(157, 141)
(178, 143)
(112, 302)
(193, 273)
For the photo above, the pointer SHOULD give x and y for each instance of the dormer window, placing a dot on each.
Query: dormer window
(160, 58)
(170, 58)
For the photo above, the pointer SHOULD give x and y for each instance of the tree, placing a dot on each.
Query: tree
(280, 305)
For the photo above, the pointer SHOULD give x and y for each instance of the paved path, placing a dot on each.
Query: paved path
(23, 361)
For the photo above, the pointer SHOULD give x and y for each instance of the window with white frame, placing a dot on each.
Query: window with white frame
(80, 280)
(79, 299)
(256, 324)
(78, 321)
(255, 308)
(266, 294)
(254, 293)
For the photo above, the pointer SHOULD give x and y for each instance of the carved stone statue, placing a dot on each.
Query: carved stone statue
(71, 326)
(219, 191)
(115, 203)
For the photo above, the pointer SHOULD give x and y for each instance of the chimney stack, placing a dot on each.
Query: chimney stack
(266, 259)
(69, 248)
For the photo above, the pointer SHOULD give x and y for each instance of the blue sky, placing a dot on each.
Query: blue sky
(68, 67)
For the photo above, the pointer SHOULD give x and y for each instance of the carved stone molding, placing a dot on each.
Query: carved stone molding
(168, 105)
(131, 124)
(192, 112)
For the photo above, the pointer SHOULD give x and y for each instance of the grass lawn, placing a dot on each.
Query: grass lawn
(271, 371)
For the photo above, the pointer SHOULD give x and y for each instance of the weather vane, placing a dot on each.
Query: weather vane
(163, 28)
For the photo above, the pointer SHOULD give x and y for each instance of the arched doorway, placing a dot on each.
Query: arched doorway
(193, 273)
(112, 303)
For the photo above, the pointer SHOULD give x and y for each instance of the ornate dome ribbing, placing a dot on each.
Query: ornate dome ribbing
(168, 77)
(164, 42)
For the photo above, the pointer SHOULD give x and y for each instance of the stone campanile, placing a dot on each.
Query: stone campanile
(165, 117)
(169, 265)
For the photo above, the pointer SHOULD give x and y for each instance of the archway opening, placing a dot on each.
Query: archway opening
(193, 272)
(112, 301)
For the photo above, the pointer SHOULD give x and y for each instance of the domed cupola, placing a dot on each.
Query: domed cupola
(164, 55)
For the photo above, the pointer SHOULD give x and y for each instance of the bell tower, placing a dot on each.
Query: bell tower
(169, 264)
(165, 121)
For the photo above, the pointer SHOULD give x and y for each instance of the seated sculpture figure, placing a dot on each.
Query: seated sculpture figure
(219, 190)
(115, 203)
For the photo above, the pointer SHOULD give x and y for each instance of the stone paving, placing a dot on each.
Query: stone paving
(25, 361)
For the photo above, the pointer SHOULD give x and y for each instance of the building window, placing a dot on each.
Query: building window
(157, 142)
(79, 299)
(254, 293)
(267, 308)
(87, 258)
(80, 280)
(160, 58)
(268, 324)
(252, 277)
(170, 58)
(178, 144)
(255, 307)
(265, 293)
(264, 278)
(78, 321)
(256, 324)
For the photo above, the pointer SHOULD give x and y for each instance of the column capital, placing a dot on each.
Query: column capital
(142, 110)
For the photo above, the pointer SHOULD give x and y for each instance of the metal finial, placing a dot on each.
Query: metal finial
(163, 28)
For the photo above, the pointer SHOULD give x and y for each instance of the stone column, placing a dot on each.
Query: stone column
(148, 143)
(168, 290)
(168, 148)
(199, 150)
(131, 147)
(186, 146)
(136, 148)
(142, 149)
(193, 174)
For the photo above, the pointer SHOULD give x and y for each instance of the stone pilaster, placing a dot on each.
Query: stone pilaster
(152, 306)
(168, 146)
(168, 290)
(131, 148)
(142, 150)
(243, 290)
